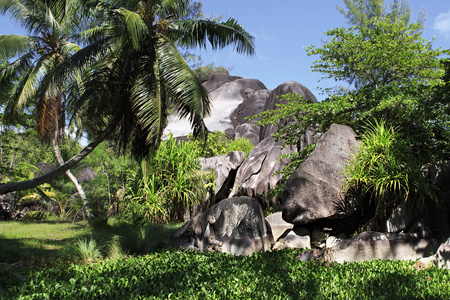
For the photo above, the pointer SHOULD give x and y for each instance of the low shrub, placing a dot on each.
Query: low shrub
(181, 274)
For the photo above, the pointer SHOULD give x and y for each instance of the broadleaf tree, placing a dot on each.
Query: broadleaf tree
(358, 12)
(400, 72)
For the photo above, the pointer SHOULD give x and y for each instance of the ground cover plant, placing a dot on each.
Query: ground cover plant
(178, 274)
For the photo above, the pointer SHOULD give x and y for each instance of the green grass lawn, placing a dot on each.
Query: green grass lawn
(50, 243)
(36, 244)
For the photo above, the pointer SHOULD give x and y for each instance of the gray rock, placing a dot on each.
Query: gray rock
(296, 238)
(44, 168)
(257, 174)
(369, 245)
(397, 249)
(443, 255)
(215, 81)
(252, 106)
(225, 168)
(278, 225)
(234, 225)
(224, 100)
(86, 174)
(289, 87)
(313, 190)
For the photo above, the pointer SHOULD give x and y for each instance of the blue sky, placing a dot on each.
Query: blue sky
(282, 30)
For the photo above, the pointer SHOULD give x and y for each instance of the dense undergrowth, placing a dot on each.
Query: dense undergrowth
(178, 274)
(43, 261)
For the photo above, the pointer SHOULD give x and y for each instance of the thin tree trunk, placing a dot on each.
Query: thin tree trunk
(28, 184)
(60, 160)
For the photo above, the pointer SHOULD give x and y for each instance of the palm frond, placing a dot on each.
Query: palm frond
(174, 8)
(185, 91)
(135, 26)
(15, 9)
(198, 33)
(13, 45)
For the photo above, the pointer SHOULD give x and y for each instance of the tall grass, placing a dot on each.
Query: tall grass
(171, 183)
(88, 250)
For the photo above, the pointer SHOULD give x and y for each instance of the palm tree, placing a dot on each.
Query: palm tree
(50, 24)
(134, 75)
(141, 74)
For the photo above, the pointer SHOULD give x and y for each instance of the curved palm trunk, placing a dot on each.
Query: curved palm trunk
(28, 184)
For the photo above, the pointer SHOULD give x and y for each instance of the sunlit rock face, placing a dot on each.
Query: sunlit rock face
(226, 94)
(313, 190)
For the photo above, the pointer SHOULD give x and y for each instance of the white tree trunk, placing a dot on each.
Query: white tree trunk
(69, 174)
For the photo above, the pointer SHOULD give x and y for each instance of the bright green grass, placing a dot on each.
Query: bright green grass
(49, 243)
(44, 243)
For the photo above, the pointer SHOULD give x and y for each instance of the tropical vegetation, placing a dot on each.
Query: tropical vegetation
(129, 74)
(211, 275)
(114, 70)
(393, 75)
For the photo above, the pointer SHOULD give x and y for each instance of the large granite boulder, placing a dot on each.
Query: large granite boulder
(215, 81)
(225, 97)
(44, 168)
(257, 174)
(225, 167)
(252, 106)
(289, 87)
(313, 190)
(86, 174)
(234, 225)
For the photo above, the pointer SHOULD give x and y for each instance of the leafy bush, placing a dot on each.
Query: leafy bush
(211, 275)
(219, 143)
(203, 72)
(387, 173)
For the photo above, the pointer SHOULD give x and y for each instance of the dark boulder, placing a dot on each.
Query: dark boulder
(44, 168)
(289, 87)
(225, 167)
(86, 174)
(234, 225)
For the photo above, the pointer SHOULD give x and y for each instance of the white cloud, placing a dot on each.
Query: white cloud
(442, 23)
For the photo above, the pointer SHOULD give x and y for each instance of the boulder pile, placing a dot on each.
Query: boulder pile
(314, 214)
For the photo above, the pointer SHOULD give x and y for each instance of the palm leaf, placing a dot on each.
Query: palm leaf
(198, 33)
(13, 45)
(136, 27)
